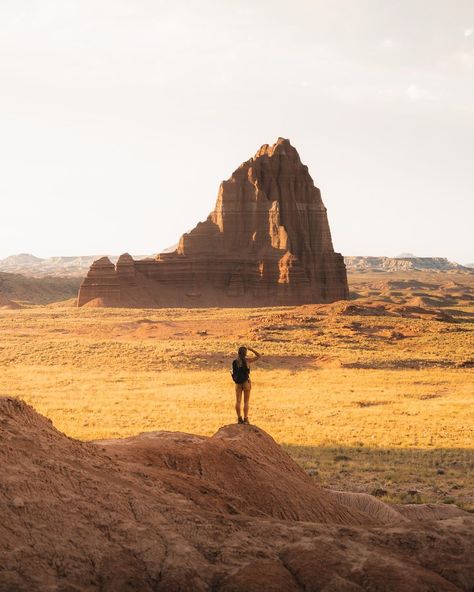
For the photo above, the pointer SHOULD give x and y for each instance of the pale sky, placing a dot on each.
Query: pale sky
(119, 118)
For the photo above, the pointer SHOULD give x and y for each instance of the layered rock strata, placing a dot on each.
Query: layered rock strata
(267, 242)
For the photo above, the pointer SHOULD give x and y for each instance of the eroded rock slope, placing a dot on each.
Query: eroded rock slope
(176, 512)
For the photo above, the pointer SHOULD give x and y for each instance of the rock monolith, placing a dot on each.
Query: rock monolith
(267, 242)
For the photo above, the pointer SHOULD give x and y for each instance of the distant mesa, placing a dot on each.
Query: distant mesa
(20, 259)
(31, 266)
(267, 242)
(402, 263)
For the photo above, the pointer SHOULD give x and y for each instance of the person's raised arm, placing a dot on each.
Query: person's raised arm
(254, 359)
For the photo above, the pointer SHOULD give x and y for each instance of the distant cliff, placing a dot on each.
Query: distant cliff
(402, 264)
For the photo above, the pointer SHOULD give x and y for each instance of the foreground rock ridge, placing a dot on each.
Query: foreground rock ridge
(266, 242)
(174, 512)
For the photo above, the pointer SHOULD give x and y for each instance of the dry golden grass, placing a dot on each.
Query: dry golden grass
(362, 401)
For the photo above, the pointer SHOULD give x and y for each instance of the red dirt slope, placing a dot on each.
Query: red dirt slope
(172, 512)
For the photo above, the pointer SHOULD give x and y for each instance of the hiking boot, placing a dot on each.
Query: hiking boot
(240, 420)
(246, 421)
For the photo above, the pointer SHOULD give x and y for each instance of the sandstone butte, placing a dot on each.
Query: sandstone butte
(267, 242)
(177, 512)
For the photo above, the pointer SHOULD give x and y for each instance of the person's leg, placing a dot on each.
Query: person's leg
(238, 400)
(247, 388)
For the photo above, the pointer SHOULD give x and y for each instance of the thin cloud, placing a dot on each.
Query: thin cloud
(416, 93)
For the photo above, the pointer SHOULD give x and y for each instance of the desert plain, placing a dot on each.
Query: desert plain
(373, 395)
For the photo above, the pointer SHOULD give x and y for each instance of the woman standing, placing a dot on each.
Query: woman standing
(241, 377)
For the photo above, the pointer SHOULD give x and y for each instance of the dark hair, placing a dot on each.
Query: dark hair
(242, 353)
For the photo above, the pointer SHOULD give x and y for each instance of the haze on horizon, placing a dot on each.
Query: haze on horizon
(119, 119)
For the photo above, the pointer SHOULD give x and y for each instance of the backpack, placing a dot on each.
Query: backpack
(239, 373)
